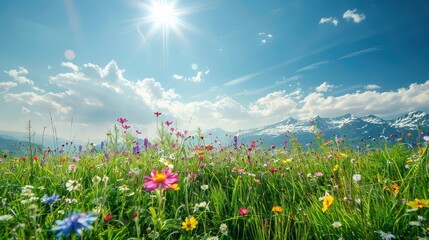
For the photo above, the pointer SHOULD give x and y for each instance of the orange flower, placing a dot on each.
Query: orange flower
(277, 209)
(36, 158)
(395, 188)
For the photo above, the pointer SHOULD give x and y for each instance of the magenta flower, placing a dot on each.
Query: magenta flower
(164, 179)
(243, 211)
(168, 123)
(157, 114)
(122, 120)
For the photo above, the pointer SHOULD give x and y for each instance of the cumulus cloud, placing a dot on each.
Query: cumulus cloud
(6, 86)
(324, 87)
(371, 87)
(178, 77)
(331, 20)
(94, 96)
(19, 75)
(354, 15)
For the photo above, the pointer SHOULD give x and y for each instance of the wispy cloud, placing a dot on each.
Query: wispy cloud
(361, 52)
(311, 66)
(354, 15)
(332, 20)
(19, 75)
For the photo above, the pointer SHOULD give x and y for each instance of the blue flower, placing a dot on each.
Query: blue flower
(51, 199)
(74, 223)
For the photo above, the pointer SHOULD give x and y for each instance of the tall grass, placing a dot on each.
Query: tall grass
(371, 189)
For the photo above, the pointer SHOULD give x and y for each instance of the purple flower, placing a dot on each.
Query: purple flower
(73, 223)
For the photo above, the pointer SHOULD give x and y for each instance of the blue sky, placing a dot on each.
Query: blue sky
(214, 63)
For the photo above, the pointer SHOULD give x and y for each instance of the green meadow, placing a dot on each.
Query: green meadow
(182, 186)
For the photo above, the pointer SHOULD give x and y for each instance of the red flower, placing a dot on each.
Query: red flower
(36, 158)
(23, 158)
(108, 217)
(157, 114)
(243, 211)
(272, 170)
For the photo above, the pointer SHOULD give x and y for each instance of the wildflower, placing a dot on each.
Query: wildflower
(417, 203)
(73, 223)
(51, 199)
(257, 181)
(277, 209)
(157, 114)
(386, 236)
(414, 223)
(163, 179)
(357, 177)
(123, 188)
(189, 223)
(243, 211)
(96, 180)
(318, 174)
(108, 217)
(122, 120)
(327, 201)
(204, 205)
(70, 200)
(421, 219)
(175, 186)
(36, 158)
(196, 207)
(224, 229)
(72, 185)
(105, 179)
(27, 191)
(336, 224)
(212, 238)
(204, 187)
(6, 217)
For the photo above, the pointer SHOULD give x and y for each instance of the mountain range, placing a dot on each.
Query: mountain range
(349, 127)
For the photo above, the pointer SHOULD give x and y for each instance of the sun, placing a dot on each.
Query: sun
(163, 14)
(162, 17)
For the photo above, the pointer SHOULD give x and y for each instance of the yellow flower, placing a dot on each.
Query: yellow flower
(395, 188)
(327, 202)
(175, 187)
(343, 155)
(287, 160)
(189, 223)
(417, 203)
(277, 209)
(335, 168)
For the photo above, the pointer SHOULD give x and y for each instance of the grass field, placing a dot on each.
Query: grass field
(188, 187)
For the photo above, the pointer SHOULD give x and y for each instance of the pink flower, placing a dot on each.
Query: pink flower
(122, 120)
(157, 114)
(318, 174)
(243, 211)
(164, 179)
(168, 123)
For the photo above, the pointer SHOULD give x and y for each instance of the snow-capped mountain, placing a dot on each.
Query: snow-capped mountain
(348, 126)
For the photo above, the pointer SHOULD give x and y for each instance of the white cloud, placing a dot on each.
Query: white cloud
(324, 87)
(19, 76)
(70, 65)
(371, 87)
(361, 52)
(272, 104)
(332, 20)
(353, 14)
(270, 35)
(197, 78)
(96, 96)
(6, 86)
(311, 66)
(178, 77)
(263, 41)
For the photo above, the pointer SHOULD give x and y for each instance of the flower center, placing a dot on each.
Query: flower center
(159, 177)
